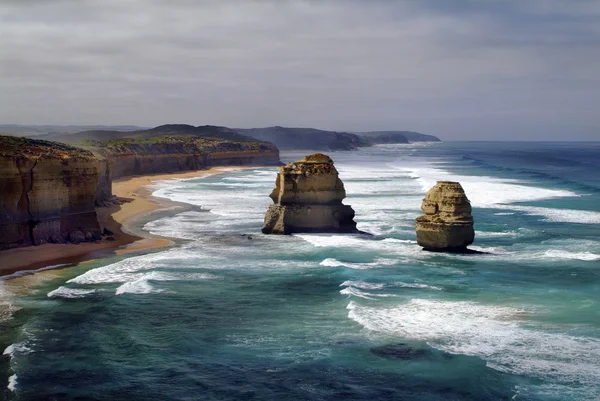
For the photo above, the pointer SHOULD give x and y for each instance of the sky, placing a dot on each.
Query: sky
(461, 70)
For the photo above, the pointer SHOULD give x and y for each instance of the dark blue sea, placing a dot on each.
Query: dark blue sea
(230, 314)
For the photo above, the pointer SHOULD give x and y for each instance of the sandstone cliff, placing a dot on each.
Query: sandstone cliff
(447, 224)
(168, 149)
(47, 193)
(308, 198)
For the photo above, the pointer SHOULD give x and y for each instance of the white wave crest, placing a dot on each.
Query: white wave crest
(557, 215)
(65, 292)
(380, 262)
(558, 254)
(493, 333)
(378, 286)
(139, 286)
(12, 383)
(17, 348)
(142, 285)
(487, 192)
(356, 292)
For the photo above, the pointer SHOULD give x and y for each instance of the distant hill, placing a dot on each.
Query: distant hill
(36, 130)
(180, 130)
(311, 138)
(411, 136)
(306, 138)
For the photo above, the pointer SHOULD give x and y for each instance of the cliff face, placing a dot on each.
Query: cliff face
(169, 154)
(47, 193)
(447, 224)
(308, 197)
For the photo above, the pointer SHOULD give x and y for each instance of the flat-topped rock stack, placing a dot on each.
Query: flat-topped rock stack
(308, 198)
(447, 225)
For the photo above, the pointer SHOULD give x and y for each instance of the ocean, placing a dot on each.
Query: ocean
(231, 314)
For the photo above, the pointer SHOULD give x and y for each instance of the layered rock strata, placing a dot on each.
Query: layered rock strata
(163, 155)
(308, 198)
(47, 193)
(447, 224)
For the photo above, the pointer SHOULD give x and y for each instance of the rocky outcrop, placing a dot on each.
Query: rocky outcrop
(47, 193)
(447, 224)
(308, 198)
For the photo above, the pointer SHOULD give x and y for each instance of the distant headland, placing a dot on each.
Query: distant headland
(285, 138)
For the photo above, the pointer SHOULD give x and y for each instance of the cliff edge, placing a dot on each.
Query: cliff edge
(47, 193)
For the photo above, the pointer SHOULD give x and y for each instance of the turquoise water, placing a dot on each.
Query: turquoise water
(232, 314)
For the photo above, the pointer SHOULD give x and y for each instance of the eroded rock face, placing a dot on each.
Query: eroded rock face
(308, 198)
(47, 194)
(447, 224)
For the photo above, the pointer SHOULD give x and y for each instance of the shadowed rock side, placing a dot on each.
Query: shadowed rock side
(308, 198)
(47, 193)
(447, 225)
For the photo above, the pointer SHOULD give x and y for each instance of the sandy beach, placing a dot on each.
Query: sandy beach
(119, 219)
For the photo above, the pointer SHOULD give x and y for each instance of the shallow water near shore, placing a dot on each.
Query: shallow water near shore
(229, 313)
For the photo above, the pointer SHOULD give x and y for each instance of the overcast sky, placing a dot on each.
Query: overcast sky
(485, 70)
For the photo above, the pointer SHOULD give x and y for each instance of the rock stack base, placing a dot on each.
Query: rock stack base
(308, 198)
(447, 225)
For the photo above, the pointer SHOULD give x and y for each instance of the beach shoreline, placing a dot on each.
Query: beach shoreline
(138, 202)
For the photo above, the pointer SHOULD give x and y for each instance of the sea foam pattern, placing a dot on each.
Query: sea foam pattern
(309, 316)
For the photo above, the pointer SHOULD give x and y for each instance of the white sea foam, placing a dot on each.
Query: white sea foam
(139, 286)
(559, 254)
(487, 234)
(379, 286)
(7, 306)
(136, 267)
(65, 292)
(363, 285)
(12, 383)
(417, 285)
(356, 292)
(494, 333)
(380, 262)
(557, 215)
(18, 348)
(487, 192)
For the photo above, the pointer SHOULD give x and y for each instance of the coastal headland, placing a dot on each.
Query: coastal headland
(119, 219)
(68, 197)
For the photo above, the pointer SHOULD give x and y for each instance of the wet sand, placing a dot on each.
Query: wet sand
(120, 219)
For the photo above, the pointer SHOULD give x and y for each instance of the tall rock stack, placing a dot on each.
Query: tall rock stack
(308, 198)
(447, 225)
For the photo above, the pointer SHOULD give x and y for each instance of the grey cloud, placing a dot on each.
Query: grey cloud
(478, 70)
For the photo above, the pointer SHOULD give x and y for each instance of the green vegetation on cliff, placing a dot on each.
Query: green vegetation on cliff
(11, 146)
(310, 138)
(410, 136)
(166, 144)
(168, 130)
(306, 138)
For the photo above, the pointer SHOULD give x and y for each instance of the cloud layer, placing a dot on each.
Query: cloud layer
(473, 70)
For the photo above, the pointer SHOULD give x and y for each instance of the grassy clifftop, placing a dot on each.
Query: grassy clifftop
(172, 144)
(11, 146)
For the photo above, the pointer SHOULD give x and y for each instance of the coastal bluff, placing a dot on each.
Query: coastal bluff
(48, 192)
(447, 223)
(308, 198)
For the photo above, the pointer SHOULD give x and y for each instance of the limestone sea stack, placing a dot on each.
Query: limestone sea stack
(447, 225)
(308, 199)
